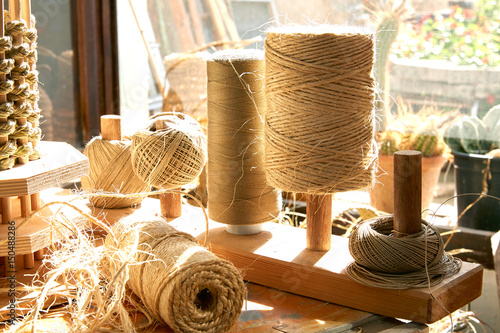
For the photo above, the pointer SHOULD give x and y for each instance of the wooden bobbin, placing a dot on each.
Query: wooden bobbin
(170, 203)
(111, 127)
(319, 222)
(407, 192)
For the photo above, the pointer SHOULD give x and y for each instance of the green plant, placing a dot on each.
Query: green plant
(410, 130)
(464, 37)
(473, 135)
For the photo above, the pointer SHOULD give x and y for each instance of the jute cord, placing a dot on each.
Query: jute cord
(384, 261)
(320, 120)
(110, 170)
(237, 189)
(170, 157)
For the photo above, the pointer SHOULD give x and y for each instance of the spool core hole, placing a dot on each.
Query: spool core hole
(205, 300)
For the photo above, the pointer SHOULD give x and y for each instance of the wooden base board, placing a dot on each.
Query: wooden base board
(38, 233)
(59, 163)
(277, 257)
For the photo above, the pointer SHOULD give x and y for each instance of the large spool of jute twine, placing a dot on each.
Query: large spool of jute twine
(238, 194)
(180, 282)
(171, 156)
(110, 167)
(401, 250)
(320, 118)
(319, 126)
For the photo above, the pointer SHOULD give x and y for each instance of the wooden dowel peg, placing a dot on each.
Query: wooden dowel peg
(170, 203)
(29, 261)
(111, 127)
(39, 254)
(25, 205)
(35, 201)
(6, 210)
(407, 192)
(319, 222)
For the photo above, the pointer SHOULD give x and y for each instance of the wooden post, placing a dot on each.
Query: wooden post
(111, 127)
(319, 222)
(170, 203)
(197, 22)
(407, 192)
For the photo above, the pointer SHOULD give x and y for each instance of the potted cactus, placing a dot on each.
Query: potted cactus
(410, 131)
(475, 147)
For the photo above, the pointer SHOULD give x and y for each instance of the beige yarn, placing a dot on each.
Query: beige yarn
(178, 281)
(110, 170)
(320, 118)
(172, 156)
(237, 189)
(385, 261)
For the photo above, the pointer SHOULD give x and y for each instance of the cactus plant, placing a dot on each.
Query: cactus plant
(472, 135)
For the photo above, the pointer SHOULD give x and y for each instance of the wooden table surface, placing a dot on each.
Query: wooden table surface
(271, 310)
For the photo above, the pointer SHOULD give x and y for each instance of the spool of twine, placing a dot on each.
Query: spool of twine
(180, 282)
(382, 260)
(320, 120)
(237, 190)
(110, 170)
(172, 156)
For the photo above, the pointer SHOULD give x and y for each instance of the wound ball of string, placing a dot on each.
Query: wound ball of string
(110, 171)
(373, 246)
(170, 155)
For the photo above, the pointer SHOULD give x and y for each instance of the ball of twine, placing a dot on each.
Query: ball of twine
(385, 261)
(110, 170)
(180, 282)
(320, 119)
(172, 156)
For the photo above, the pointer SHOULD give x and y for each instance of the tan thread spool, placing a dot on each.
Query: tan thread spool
(170, 154)
(320, 120)
(110, 169)
(180, 282)
(238, 194)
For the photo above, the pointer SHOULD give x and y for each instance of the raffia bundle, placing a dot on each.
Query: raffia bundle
(178, 281)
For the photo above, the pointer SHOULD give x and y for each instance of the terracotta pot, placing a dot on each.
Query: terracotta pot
(382, 193)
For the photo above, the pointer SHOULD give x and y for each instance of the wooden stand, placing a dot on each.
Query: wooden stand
(60, 163)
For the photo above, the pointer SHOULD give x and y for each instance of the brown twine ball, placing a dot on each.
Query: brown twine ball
(172, 156)
(180, 282)
(110, 170)
(385, 261)
(238, 193)
(320, 119)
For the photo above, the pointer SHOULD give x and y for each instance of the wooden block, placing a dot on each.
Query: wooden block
(278, 258)
(38, 233)
(60, 163)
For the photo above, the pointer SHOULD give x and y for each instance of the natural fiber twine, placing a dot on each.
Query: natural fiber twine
(170, 157)
(177, 280)
(319, 128)
(110, 170)
(237, 188)
(382, 260)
